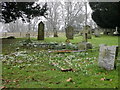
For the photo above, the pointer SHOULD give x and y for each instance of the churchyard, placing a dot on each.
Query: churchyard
(83, 51)
(30, 66)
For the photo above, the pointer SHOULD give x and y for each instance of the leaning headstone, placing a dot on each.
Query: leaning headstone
(41, 31)
(107, 57)
(69, 32)
(97, 33)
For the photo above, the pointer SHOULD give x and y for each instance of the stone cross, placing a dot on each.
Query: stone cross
(85, 34)
(107, 57)
(89, 32)
(116, 28)
(84, 45)
(41, 31)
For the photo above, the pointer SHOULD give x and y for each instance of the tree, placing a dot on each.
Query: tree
(16, 26)
(74, 13)
(11, 11)
(53, 16)
(106, 14)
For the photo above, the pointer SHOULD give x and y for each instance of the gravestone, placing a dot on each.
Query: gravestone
(69, 32)
(41, 31)
(84, 46)
(107, 57)
(97, 33)
(28, 36)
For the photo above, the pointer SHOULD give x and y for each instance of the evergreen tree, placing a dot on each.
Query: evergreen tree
(11, 11)
(106, 14)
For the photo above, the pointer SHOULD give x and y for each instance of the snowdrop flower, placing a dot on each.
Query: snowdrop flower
(28, 64)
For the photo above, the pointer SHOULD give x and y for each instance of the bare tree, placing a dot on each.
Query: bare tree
(73, 15)
(73, 12)
(54, 16)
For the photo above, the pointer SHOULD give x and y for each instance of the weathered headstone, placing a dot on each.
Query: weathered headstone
(107, 57)
(84, 46)
(41, 31)
(69, 32)
(97, 33)
(28, 35)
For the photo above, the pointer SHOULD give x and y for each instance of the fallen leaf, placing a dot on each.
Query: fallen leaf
(105, 79)
(69, 80)
(66, 70)
(102, 79)
(53, 69)
(2, 87)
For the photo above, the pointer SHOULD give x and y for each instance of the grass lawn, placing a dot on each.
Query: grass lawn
(36, 68)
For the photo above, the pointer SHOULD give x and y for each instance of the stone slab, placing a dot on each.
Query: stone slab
(107, 57)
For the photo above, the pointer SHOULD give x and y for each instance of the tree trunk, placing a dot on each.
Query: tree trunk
(69, 32)
(55, 33)
(86, 13)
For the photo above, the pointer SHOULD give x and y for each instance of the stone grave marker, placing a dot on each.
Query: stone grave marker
(41, 31)
(69, 32)
(28, 36)
(107, 57)
(84, 45)
(97, 33)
